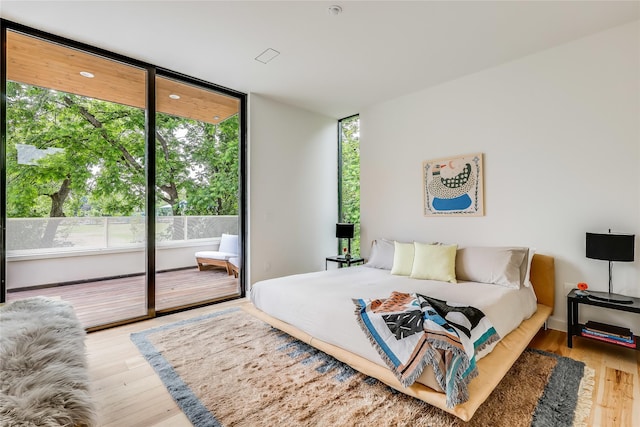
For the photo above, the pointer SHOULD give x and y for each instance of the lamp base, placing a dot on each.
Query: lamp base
(609, 297)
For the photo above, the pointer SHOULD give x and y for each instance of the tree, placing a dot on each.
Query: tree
(199, 161)
(214, 187)
(92, 159)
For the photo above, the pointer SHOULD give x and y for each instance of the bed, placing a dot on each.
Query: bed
(317, 308)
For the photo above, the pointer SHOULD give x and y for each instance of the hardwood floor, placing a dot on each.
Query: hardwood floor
(617, 382)
(129, 393)
(106, 301)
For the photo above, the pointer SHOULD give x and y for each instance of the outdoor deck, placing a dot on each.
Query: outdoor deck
(108, 301)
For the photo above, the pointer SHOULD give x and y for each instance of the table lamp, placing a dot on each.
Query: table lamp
(610, 247)
(345, 231)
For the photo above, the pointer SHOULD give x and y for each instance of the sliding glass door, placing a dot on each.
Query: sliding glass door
(75, 192)
(116, 174)
(197, 189)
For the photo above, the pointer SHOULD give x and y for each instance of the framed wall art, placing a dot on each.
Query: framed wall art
(453, 186)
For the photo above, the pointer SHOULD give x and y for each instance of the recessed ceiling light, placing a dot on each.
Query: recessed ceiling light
(267, 55)
(335, 10)
(174, 96)
(87, 74)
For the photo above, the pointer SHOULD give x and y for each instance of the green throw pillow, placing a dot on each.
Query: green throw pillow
(434, 262)
(402, 259)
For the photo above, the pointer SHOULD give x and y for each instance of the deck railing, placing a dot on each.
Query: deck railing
(54, 235)
(62, 250)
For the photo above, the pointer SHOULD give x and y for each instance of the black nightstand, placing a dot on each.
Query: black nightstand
(342, 261)
(574, 328)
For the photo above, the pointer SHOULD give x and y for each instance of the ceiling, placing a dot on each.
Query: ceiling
(331, 64)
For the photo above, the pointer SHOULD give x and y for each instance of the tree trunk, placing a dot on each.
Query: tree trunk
(171, 191)
(219, 210)
(57, 211)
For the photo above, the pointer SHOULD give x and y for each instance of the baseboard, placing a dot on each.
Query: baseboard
(557, 324)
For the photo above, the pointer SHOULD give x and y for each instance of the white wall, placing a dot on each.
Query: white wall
(292, 189)
(560, 133)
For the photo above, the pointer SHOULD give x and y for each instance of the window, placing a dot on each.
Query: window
(197, 182)
(75, 174)
(114, 174)
(349, 178)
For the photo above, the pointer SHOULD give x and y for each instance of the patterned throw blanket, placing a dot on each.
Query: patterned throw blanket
(412, 331)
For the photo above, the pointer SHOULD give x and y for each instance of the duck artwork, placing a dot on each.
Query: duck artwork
(453, 185)
(450, 184)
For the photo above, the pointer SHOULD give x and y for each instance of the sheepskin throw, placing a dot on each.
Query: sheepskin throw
(43, 367)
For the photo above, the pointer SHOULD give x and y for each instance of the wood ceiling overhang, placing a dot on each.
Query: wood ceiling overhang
(41, 63)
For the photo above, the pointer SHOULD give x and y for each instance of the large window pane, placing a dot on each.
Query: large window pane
(350, 178)
(75, 180)
(197, 197)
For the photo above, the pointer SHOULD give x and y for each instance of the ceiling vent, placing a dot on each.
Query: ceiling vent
(267, 55)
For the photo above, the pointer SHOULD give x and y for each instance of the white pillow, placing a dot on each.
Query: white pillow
(229, 243)
(504, 266)
(527, 278)
(381, 254)
(402, 258)
(434, 262)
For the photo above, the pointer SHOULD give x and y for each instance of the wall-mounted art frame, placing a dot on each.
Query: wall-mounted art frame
(453, 186)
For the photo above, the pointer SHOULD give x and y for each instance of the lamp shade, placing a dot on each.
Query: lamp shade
(344, 231)
(610, 247)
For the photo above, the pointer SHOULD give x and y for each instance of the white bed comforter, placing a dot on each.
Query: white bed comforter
(320, 303)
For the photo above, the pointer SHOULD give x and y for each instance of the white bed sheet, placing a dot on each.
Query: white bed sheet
(320, 303)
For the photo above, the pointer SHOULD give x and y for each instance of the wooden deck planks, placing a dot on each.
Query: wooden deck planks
(108, 301)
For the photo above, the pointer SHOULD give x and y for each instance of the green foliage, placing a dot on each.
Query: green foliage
(100, 169)
(213, 189)
(351, 178)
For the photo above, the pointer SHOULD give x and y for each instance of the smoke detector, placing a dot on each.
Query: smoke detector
(335, 10)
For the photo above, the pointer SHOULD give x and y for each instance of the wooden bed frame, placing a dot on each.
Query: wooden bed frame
(492, 368)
